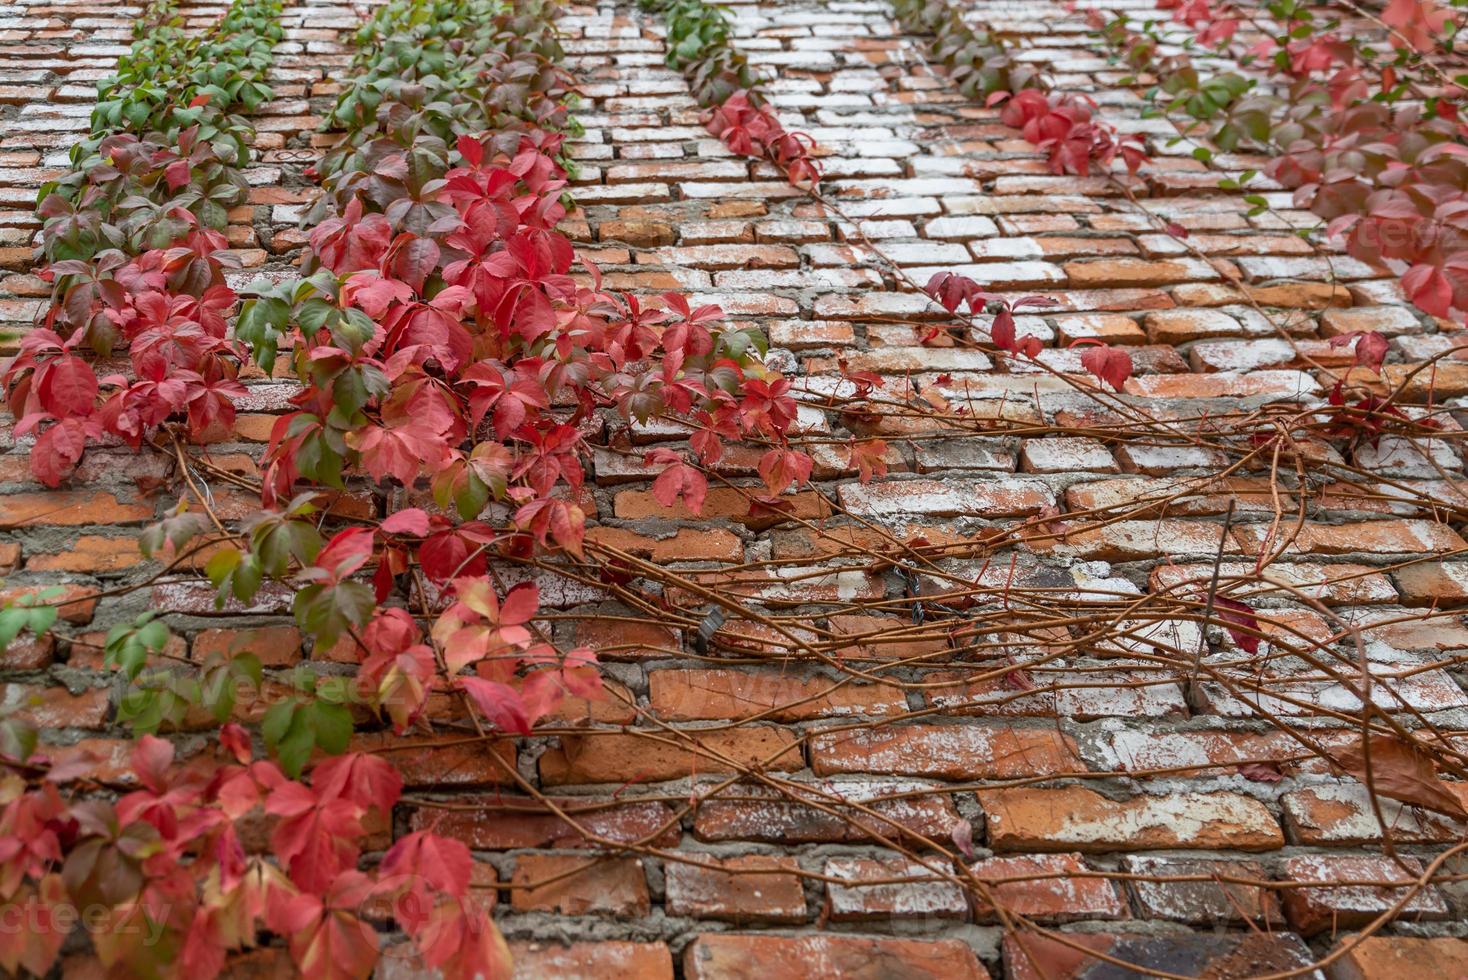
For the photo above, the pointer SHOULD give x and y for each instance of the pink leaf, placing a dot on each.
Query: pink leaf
(963, 838)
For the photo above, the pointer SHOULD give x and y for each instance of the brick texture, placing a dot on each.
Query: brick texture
(908, 679)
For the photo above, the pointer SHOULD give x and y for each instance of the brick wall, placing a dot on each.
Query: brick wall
(726, 811)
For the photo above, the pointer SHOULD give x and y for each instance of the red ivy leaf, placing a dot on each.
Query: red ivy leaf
(366, 780)
(314, 838)
(67, 386)
(1236, 614)
(1370, 347)
(412, 521)
(952, 290)
(1427, 287)
(678, 481)
(779, 468)
(1109, 364)
(441, 862)
(500, 704)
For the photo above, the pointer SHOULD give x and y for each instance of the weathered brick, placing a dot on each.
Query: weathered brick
(928, 891)
(728, 957)
(948, 498)
(1074, 818)
(75, 603)
(1433, 583)
(1028, 956)
(1390, 957)
(89, 553)
(1046, 887)
(576, 885)
(696, 695)
(723, 502)
(1333, 585)
(276, 646)
(1336, 906)
(747, 888)
(616, 758)
(503, 822)
(1343, 814)
(818, 813)
(1061, 694)
(1066, 454)
(54, 707)
(946, 751)
(686, 544)
(1133, 540)
(69, 507)
(1202, 901)
(443, 761)
(1377, 537)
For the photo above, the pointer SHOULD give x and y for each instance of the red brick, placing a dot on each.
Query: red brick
(687, 544)
(104, 760)
(75, 603)
(627, 638)
(1445, 379)
(1075, 818)
(504, 822)
(616, 705)
(69, 507)
(90, 553)
(617, 758)
(1395, 957)
(640, 233)
(748, 888)
(27, 652)
(816, 814)
(1433, 583)
(730, 957)
(1202, 901)
(1337, 906)
(1342, 813)
(722, 503)
(1028, 956)
(697, 695)
(1376, 537)
(89, 650)
(575, 885)
(1109, 328)
(443, 760)
(1057, 889)
(591, 961)
(958, 752)
(1134, 272)
(925, 894)
(276, 646)
(55, 707)
(889, 638)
